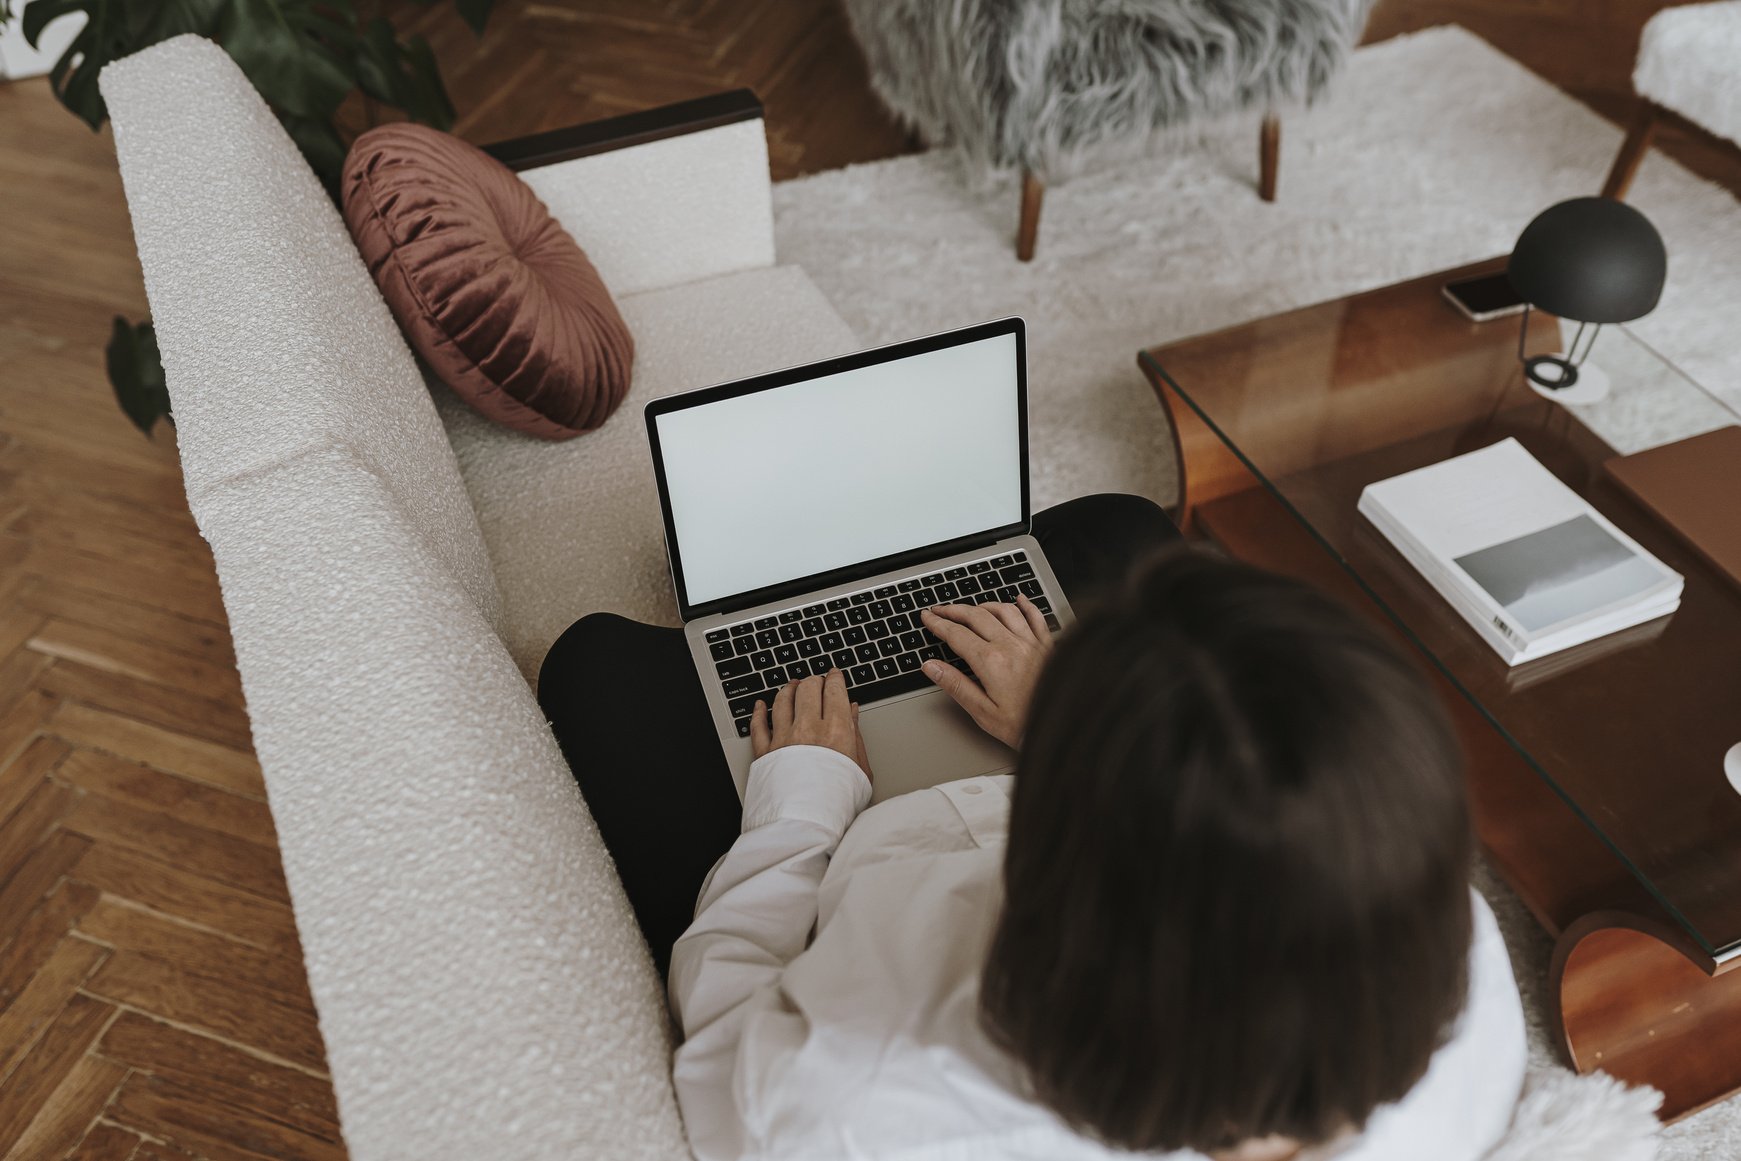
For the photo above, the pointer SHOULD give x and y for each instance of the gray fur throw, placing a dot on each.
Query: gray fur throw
(1046, 85)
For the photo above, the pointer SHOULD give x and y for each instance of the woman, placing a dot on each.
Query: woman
(1222, 907)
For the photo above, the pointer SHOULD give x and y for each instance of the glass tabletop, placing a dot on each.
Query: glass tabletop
(1631, 728)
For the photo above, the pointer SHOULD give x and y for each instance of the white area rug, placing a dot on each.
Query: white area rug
(1434, 150)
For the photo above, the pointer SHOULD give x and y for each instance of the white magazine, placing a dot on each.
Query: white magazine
(1531, 566)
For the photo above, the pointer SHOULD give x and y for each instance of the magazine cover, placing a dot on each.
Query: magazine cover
(1526, 561)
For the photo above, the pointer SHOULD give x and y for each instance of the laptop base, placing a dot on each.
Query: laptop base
(915, 739)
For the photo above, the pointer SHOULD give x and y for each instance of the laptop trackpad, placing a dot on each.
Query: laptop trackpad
(924, 740)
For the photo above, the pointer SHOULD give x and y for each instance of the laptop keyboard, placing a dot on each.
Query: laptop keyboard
(874, 637)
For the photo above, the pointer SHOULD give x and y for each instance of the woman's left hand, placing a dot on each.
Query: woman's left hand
(813, 712)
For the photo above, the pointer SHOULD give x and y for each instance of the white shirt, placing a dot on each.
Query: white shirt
(864, 1041)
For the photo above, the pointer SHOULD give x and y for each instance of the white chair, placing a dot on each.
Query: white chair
(1688, 74)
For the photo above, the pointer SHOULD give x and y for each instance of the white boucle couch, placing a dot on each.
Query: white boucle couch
(394, 566)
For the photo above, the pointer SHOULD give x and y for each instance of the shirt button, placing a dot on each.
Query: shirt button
(970, 789)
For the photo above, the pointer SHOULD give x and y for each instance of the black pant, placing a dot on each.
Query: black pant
(629, 712)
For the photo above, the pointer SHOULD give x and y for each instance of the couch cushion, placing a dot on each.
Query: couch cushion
(574, 528)
(667, 212)
(494, 294)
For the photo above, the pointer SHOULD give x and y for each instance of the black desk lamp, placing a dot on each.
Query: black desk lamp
(1591, 261)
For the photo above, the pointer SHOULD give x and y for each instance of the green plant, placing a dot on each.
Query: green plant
(306, 58)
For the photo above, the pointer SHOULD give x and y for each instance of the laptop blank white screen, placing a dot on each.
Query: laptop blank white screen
(831, 472)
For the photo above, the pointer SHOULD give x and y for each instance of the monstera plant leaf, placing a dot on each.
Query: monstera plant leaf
(113, 28)
(136, 373)
(402, 74)
(473, 12)
(305, 57)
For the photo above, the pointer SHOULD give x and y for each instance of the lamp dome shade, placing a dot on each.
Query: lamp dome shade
(1593, 260)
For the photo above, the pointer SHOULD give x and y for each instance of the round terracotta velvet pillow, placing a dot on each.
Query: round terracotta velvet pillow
(489, 289)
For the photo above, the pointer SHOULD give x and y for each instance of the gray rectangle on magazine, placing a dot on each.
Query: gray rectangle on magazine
(1559, 573)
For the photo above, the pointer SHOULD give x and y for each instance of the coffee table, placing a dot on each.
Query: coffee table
(1595, 775)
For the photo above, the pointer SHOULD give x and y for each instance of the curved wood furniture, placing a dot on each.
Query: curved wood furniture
(1278, 424)
(1638, 999)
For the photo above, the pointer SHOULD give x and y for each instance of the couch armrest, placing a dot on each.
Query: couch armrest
(660, 197)
(275, 341)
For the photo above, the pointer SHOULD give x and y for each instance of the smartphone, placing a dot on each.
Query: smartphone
(1484, 298)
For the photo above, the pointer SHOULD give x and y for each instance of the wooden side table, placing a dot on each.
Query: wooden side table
(1595, 775)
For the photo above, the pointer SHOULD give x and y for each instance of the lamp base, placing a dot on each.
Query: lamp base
(1553, 378)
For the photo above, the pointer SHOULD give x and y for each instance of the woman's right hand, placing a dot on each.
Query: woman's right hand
(1007, 646)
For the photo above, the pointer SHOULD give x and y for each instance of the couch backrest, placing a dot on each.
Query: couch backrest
(274, 338)
(693, 202)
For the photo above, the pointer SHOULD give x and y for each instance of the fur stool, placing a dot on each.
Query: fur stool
(1687, 76)
(1045, 86)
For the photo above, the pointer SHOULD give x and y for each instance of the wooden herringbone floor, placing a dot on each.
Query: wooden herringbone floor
(152, 1000)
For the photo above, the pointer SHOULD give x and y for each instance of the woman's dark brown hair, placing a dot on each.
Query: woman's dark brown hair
(1237, 881)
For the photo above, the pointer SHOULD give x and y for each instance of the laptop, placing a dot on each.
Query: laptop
(811, 513)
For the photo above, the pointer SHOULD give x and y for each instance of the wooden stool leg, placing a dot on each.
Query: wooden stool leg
(1033, 189)
(1269, 155)
(1631, 153)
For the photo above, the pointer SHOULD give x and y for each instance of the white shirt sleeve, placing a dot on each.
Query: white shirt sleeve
(754, 917)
